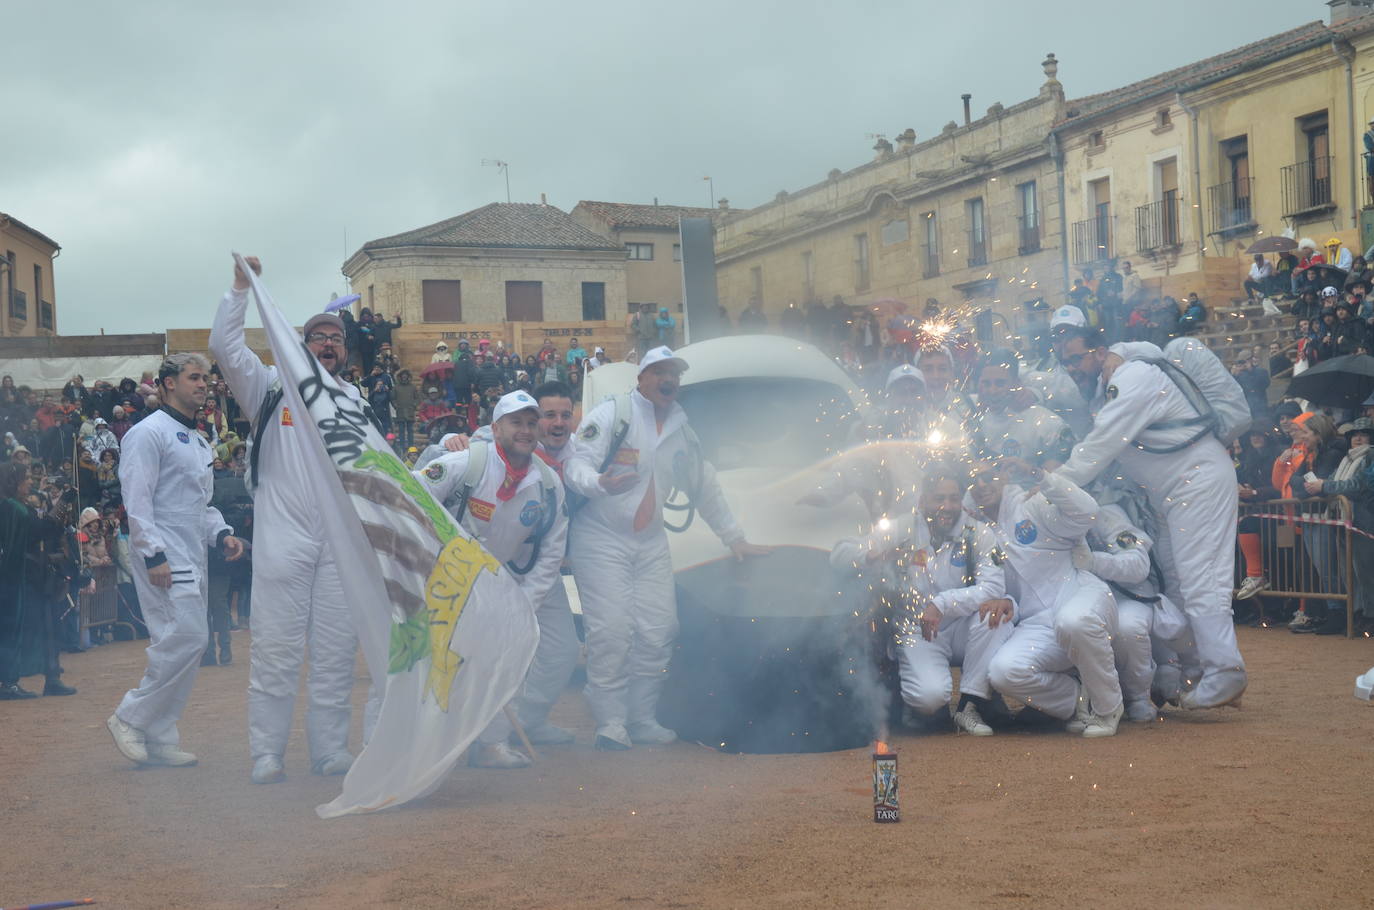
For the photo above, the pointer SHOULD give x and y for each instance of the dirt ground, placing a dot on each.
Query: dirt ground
(1268, 806)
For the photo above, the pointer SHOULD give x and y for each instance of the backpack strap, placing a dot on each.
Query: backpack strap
(1207, 422)
(265, 412)
(472, 475)
(970, 555)
(621, 429)
(478, 454)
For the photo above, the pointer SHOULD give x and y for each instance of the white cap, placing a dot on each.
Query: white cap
(599, 350)
(100, 422)
(88, 515)
(905, 371)
(1068, 315)
(658, 355)
(1330, 292)
(512, 402)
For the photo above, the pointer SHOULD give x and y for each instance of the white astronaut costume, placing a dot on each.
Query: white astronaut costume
(556, 656)
(1193, 492)
(504, 528)
(963, 639)
(622, 566)
(298, 597)
(167, 484)
(1035, 434)
(1065, 616)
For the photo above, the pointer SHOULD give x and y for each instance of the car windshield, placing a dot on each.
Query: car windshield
(768, 422)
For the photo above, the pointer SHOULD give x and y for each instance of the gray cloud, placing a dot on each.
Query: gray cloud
(150, 138)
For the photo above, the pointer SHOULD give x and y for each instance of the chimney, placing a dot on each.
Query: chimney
(542, 200)
(967, 116)
(655, 202)
(723, 204)
(1051, 68)
(1341, 10)
(906, 141)
(882, 149)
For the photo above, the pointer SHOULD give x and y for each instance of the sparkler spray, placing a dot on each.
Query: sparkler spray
(885, 807)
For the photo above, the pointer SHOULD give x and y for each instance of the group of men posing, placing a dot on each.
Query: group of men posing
(1083, 556)
(507, 490)
(1067, 537)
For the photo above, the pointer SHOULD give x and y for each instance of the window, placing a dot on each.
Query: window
(369, 299)
(1027, 218)
(861, 275)
(677, 252)
(593, 301)
(37, 283)
(1307, 182)
(45, 315)
(1163, 120)
(524, 301)
(19, 305)
(642, 251)
(808, 274)
(756, 282)
(931, 247)
(442, 301)
(977, 233)
(895, 231)
(1096, 141)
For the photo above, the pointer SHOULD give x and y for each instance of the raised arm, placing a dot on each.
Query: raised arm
(248, 377)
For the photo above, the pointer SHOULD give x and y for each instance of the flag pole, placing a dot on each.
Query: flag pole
(520, 732)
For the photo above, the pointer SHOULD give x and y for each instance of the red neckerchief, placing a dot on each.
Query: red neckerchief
(506, 491)
(550, 461)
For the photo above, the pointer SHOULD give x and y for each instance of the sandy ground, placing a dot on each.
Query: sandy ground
(1268, 806)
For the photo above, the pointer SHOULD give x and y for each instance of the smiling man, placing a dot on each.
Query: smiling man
(298, 597)
(626, 468)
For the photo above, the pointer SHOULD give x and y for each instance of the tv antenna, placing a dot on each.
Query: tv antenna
(503, 167)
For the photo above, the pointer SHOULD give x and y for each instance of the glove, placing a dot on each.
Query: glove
(1082, 556)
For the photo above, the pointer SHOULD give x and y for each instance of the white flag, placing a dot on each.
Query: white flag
(440, 619)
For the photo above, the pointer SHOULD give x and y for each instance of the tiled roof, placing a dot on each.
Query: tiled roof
(628, 215)
(509, 225)
(4, 218)
(1267, 50)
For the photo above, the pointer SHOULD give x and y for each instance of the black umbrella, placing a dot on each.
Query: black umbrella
(1342, 382)
(1272, 245)
(1328, 275)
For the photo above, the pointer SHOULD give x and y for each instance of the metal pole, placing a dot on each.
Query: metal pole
(506, 168)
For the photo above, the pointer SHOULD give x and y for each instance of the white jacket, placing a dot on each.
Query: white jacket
(664, 458)
(944, 573)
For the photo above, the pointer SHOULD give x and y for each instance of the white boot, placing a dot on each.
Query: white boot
(331, 765)
(641, 709)
(1082, 716)
(1141, 711)
(1104, 724)
(268, 769)
(546, 734)
(497, 755)
(128, 740)
(171, 756)
(1223, 678)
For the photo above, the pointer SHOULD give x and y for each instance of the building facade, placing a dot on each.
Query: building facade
(504, 262)
(649, 236)
(28, 295)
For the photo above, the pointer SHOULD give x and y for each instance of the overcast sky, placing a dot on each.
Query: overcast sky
(151, 138)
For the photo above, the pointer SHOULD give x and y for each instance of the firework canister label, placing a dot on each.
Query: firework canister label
(885, 788)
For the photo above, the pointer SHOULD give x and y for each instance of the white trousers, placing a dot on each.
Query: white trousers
(967, 642)
(177, 631)
(629, 612)
(298, 608)
(1135, 663)
(1034, 665)
(554, 659)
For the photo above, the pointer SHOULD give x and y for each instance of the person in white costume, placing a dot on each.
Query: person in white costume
(1065, 617)
(1147, 424)
(298, 597)
(619, 547)
(167, 484)
(1005, 424)
(957, 573)
(558, 650)
(516, 510)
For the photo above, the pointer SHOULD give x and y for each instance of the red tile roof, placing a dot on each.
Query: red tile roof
(10, 219)
(506, 225)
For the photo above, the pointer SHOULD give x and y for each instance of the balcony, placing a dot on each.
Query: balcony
(1092, 240)
(1231, 207)
(1156, 224)
(1307, 187)
(977, 249)
(1028, 234)
(861, 275)
(930, 261)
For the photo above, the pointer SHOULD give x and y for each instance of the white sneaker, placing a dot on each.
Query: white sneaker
(546, 734)
(1104, 724)
(267, 769)
(330, 765)
(1300, 620)
(128, 740)
(1215, 690)
(612, 738)
(971, 722)
(497, 755)
(169, 755)
(650, 733)
(1251, 586)
(1141, 711)
(1081, 715)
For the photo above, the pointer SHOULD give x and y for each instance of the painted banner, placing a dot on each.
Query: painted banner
(439, 618)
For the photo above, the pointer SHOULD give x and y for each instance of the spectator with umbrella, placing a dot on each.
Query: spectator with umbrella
(1354, 479)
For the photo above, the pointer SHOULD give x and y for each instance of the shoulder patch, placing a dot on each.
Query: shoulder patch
(1112, 392)
(435, 472)
(1026, 532)
(1126, 540)
(182, 436)
(590, 432)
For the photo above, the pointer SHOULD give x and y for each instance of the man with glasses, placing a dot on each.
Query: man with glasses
(298, 598)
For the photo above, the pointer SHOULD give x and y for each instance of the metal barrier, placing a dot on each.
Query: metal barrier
(101, 607)
(1307, 549)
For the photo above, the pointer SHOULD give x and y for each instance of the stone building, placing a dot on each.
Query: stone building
(28, 296)
(504, 262)
(649, 236)
(969, 217)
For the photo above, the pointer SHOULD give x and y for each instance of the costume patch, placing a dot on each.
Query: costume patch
(920, 558)
(1126, 540)
(627, 456)
(529, 514)
(591, 431)
(286, 417)
(1112, 392)
(481, 510)
(435, 472)
(182, 437)
(998, 557)
(1011, 448)
(1026, 532)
